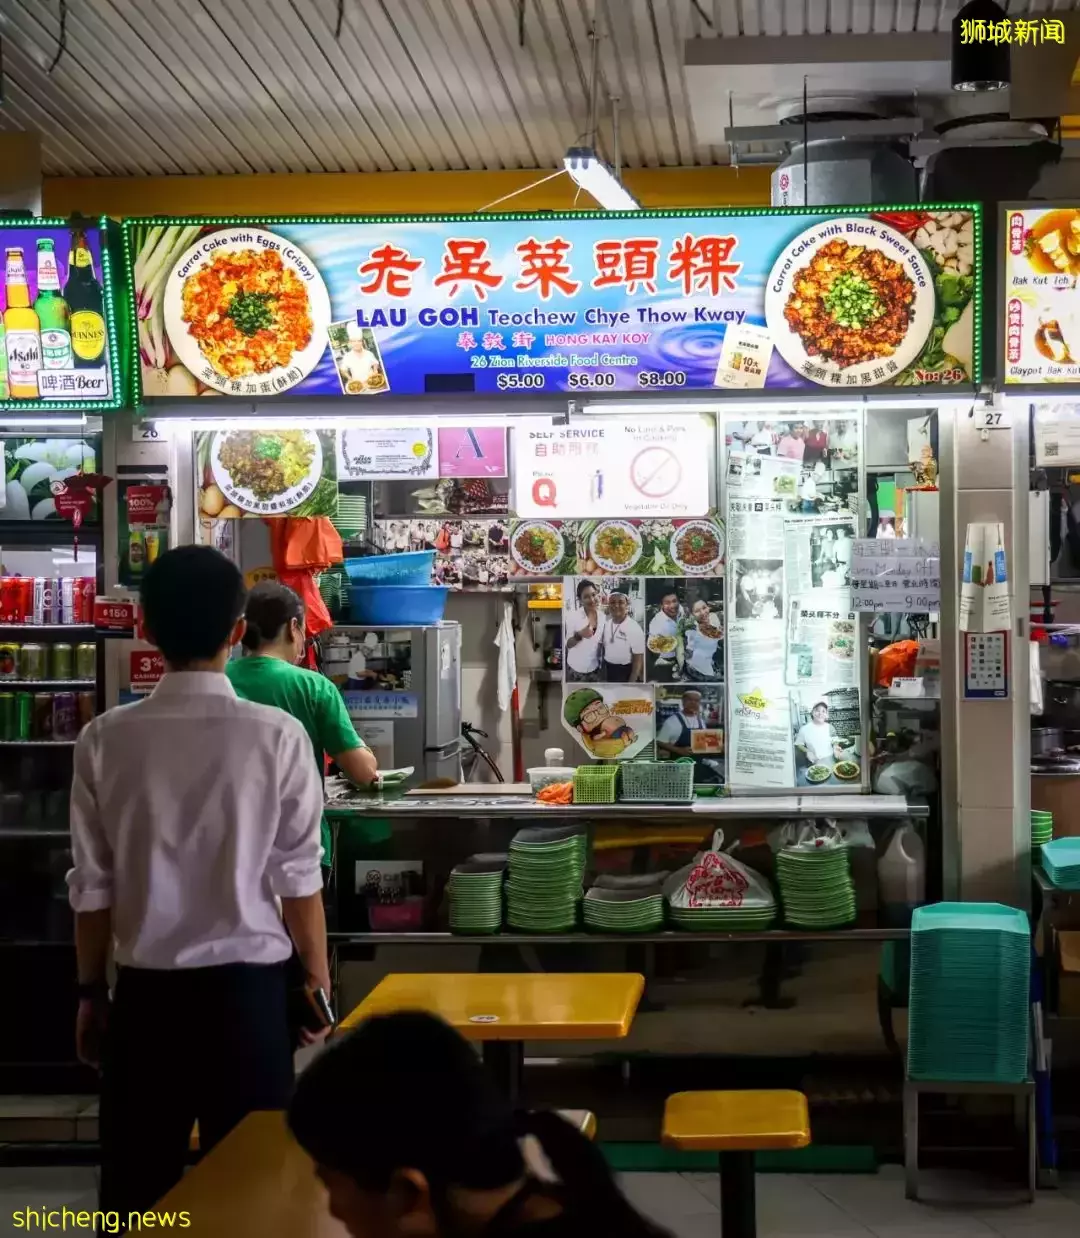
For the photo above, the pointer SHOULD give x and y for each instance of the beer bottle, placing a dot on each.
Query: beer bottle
(83, 294)
(22, 333)
(52, 311)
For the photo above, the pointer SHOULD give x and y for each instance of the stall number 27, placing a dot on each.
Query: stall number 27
(988, 419)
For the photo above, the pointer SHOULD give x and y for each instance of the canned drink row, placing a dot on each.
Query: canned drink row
(47, 599)
(45, 715)
(56, 661)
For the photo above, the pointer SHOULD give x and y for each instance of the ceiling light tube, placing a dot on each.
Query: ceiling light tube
(598, 179)
(17, 423)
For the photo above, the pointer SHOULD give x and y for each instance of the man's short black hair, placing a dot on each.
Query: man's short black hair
(192, 597)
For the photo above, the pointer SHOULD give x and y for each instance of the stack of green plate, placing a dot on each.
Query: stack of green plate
(815, 886)
(547, 865)
(623, 911)
(1042, 829)
(351, 517)
(969, 996)
(721, 919)
(476, 901)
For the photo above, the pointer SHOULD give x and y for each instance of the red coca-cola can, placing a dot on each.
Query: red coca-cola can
(26, 600)
(9, 600)
(85, 592)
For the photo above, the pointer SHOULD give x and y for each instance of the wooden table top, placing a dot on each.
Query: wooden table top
(531, 1006)
(257, 1181)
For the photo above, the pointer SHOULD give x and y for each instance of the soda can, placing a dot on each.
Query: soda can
(61, 662)
(42, 726)
(65, 716)
(26, 600)
(7, 715)
(67, 600)
(24, 715)
(86, 661)
(85, 707)
(32, 662)
(9, 661)
(84, 601)
(9, 599)
(42, 602)
(56, 594)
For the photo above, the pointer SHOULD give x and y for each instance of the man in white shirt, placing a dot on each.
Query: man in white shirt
(817, 739)
(195, 837)
(582, 637)
(622, 643)
(665, 623)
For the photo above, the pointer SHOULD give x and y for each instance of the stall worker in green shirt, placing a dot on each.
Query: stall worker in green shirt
(268, 675)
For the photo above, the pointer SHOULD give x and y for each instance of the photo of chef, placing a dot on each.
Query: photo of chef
(759, 588)
(830, 556)
(690, 723)
(357, 359)
(826, 727)
(604, 634)
(684, 629)
(829, 455)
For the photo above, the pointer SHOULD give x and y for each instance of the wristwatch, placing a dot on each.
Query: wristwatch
(94, 991)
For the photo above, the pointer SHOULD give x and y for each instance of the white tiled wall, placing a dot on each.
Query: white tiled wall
(479, 616)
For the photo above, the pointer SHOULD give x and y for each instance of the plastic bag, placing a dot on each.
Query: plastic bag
(806, 836)
(897, 661)
(714, 879)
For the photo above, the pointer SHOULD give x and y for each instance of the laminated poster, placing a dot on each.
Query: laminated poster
(379, 455)
(690, 723)
(655, 547)
(610, 721)
(603, 629)
(684, 623)
(266, 473)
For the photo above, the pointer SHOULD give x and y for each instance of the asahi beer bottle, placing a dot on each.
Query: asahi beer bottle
(22, 331)
(83, 294)
(52, 311)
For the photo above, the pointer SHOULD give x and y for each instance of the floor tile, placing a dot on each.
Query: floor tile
(665, 1198)
(787, 1203)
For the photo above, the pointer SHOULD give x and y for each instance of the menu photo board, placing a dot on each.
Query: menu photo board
(585, 302)
(59, 348)
(1040, 324)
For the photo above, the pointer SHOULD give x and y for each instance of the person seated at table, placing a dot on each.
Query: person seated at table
(413, 1139)
(274, 641)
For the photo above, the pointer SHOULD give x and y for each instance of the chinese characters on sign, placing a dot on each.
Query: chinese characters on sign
(1019, 30)
(897, 575)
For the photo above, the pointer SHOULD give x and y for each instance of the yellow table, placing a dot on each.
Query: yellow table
(505, 1010)
(258, 1180)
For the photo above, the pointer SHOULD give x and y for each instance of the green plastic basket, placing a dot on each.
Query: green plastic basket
(660, 782)
(595, 784)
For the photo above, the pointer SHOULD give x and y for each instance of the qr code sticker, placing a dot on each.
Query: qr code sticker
(1051, 449)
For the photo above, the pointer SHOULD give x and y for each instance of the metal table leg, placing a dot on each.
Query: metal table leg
(737, 1202)
(506, 1061)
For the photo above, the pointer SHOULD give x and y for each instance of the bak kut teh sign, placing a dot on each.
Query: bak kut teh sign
(576, 302)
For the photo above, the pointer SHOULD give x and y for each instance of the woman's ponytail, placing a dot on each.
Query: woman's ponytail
(590, 1191)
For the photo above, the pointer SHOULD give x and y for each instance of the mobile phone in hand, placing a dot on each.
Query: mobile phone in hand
(320, 1013)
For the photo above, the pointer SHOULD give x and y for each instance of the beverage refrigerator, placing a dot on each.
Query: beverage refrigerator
(402, 687)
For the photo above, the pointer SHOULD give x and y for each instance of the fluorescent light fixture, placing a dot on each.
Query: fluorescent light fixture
(980, 62)
(435, 420)
(598, 179)
(17, 423)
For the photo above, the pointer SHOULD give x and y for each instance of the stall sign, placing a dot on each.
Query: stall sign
(895, 575)
(58, 317)
(147, 667)
(1040, 323)
(615, 467)
(579, 302)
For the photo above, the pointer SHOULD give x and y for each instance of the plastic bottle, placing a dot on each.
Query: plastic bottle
(553, 757)
(902, 876)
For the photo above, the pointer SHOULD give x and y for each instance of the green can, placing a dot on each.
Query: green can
(86, 661)
(24, 712)
(61, 661)
(33, 660)
(7, 716)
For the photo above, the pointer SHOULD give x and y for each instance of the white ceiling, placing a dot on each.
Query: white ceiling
(150, 87)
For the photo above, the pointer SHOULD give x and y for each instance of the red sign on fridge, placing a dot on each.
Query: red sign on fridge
(147, 667)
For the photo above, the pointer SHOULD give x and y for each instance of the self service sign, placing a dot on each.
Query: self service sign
(627, 301)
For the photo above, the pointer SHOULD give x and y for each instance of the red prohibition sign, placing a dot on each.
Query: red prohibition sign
(655, 472)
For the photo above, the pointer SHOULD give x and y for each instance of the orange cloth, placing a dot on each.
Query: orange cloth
(302, 546)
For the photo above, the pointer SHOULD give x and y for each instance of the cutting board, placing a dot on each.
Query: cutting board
(475, 789)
